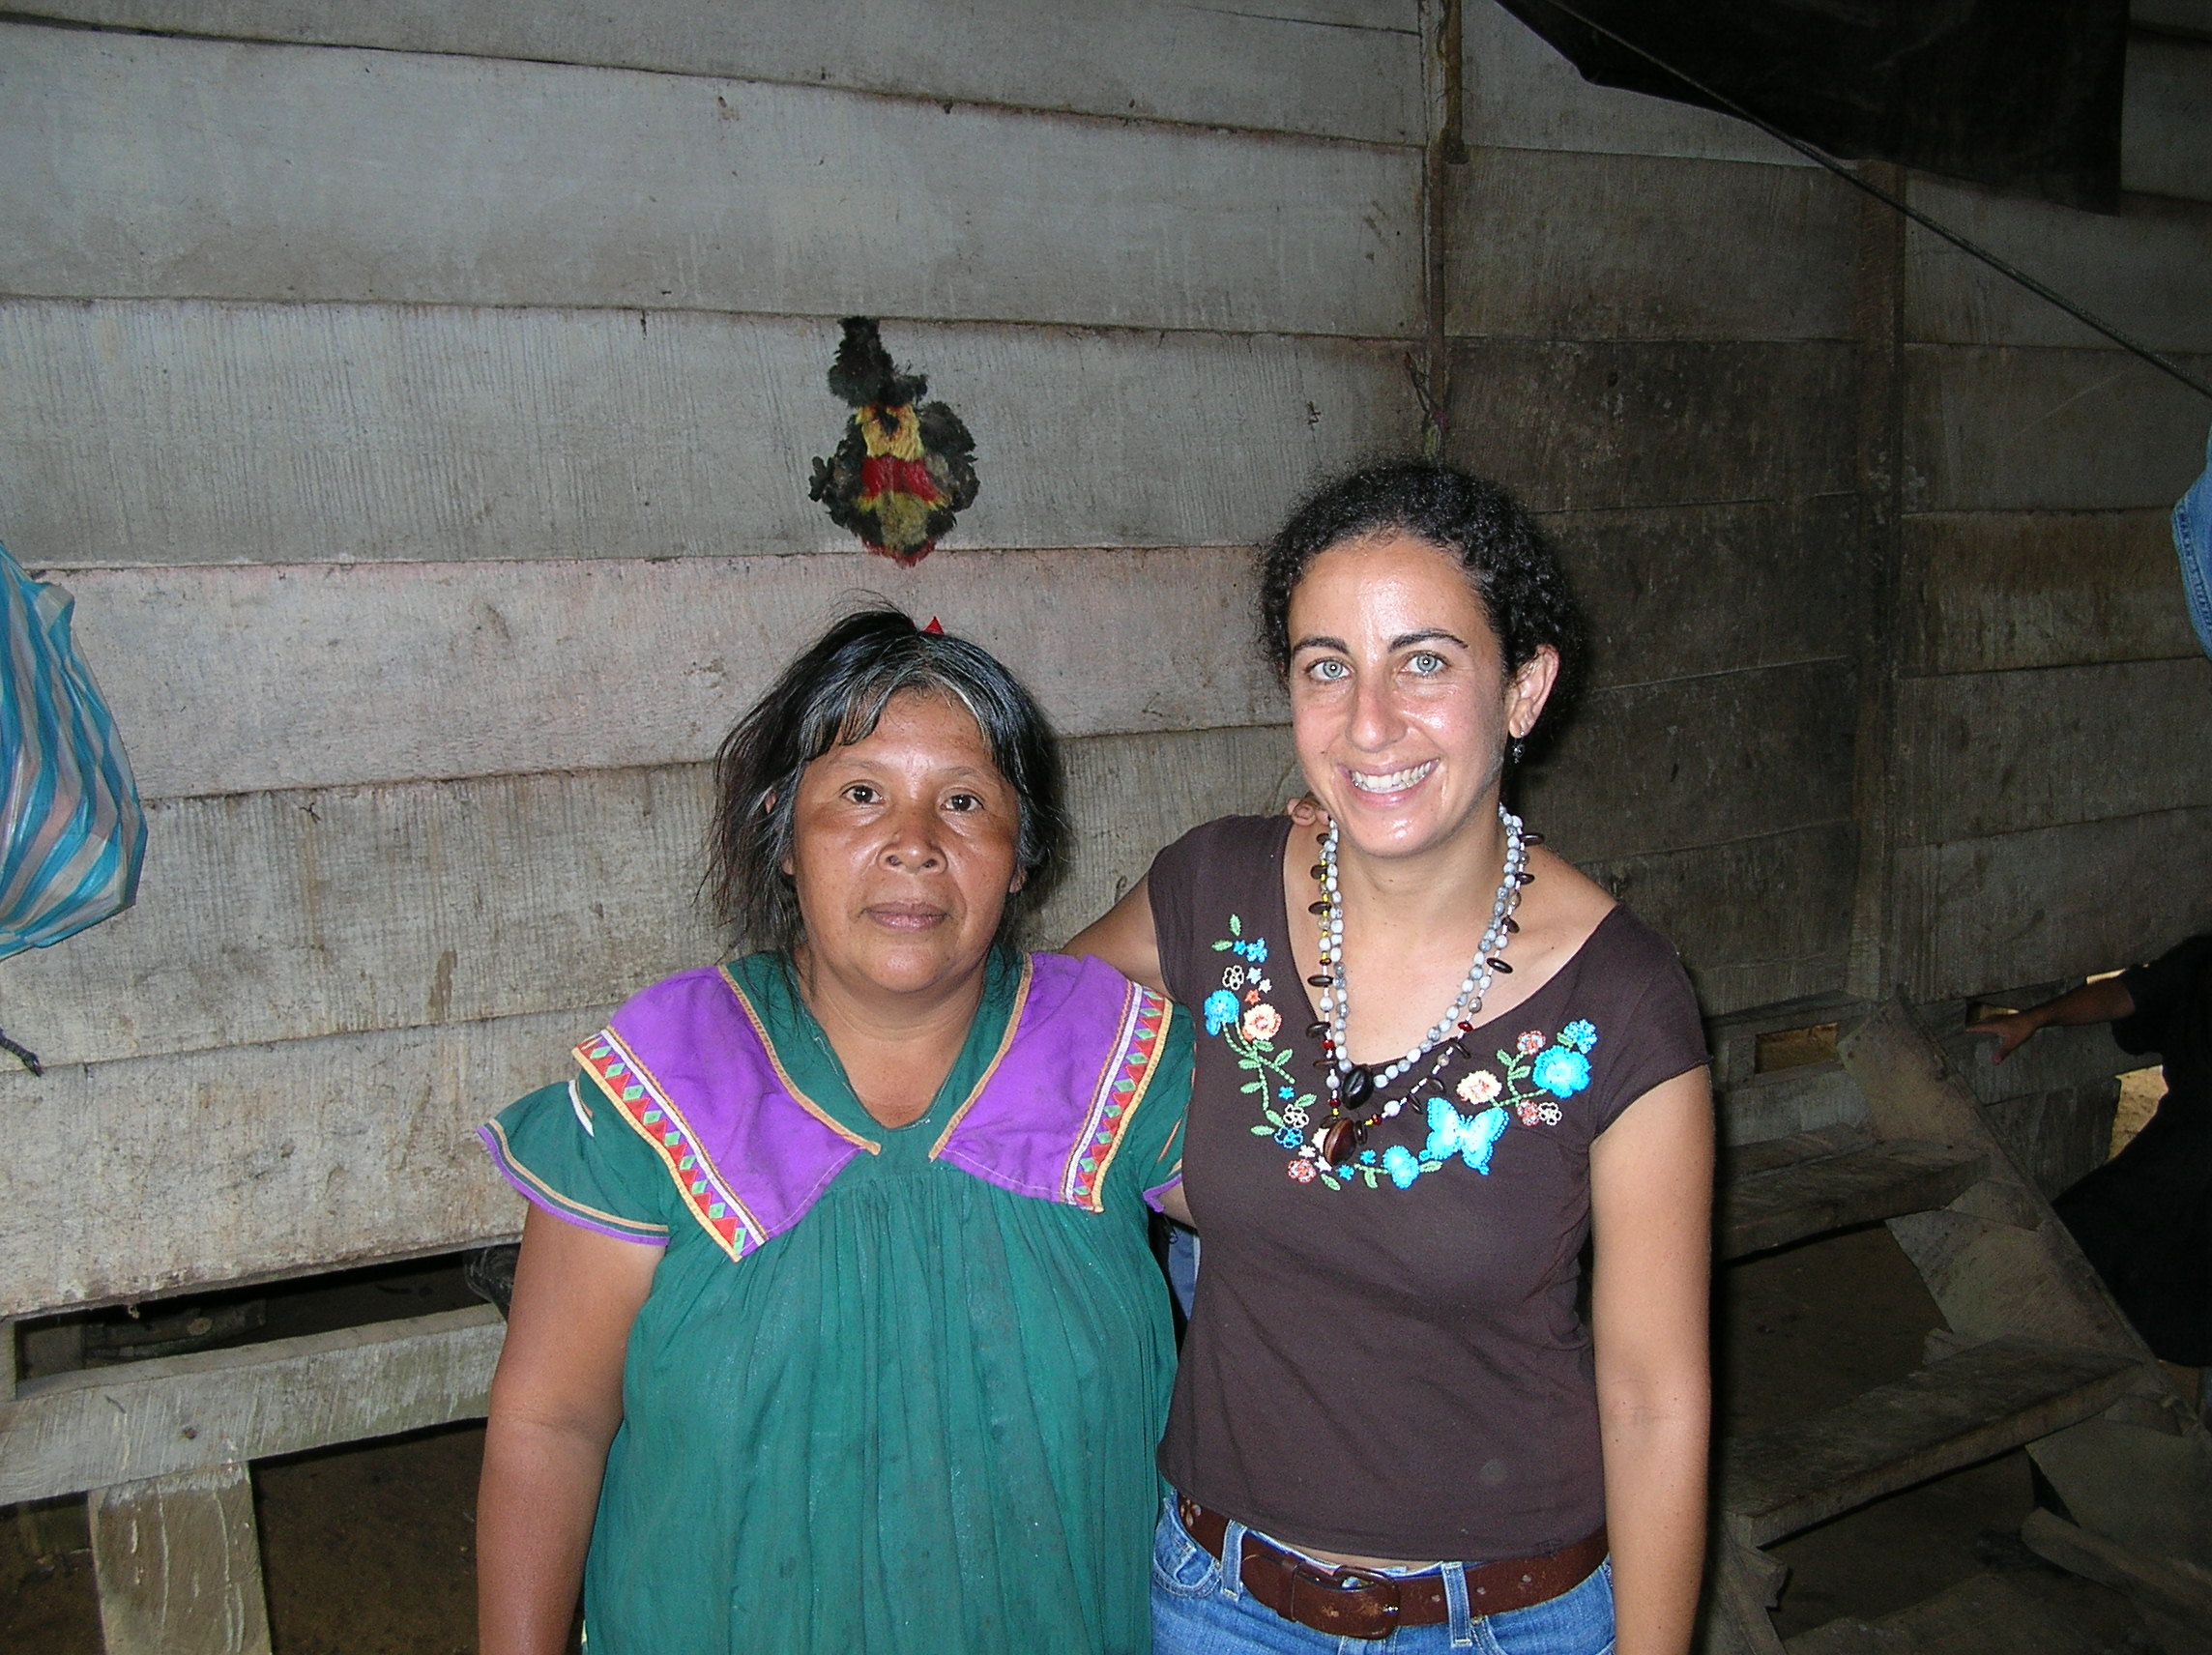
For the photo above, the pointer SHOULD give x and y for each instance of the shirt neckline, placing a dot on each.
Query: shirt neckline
(802, 1047)
(1282, 915)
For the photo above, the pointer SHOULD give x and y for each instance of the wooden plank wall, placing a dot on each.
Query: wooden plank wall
(1652, 316)
(2049, 768)
(418, 403)
(1848, 727)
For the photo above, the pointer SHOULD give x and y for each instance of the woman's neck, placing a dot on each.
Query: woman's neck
(1457, 877)
(896, 1047)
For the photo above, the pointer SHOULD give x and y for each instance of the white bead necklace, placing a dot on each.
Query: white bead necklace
(1351, 1084)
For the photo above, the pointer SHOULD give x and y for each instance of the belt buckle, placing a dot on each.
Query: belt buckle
(1378, 1595)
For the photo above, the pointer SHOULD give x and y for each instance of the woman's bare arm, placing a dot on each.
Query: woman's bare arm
(1651, 1182)
(556, 1400)
(1123, 938)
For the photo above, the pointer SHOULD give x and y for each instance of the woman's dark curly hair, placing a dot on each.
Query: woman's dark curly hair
(1510, 565)
(834, 694)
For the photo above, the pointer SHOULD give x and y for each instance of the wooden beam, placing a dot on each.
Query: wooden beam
(178, 1566)
(149, 1425)
(1568, 425)
(1979, 1403)
(1341, 71)
(148, 167)
(245, 679)
(1983, 1614)
(2164, 147)
(278, 916)
(2000, 591)
(1558, 245)
(1983, 754)
(1785, 566)
(2045, 904)
(2008, 428)
(1829, 1192)
(293, 433)
(2177, 1595)
(1702, 761)
(2147, 268)
(1757, 921)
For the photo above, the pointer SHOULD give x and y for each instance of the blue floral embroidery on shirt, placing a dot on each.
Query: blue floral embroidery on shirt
(1529, 1084)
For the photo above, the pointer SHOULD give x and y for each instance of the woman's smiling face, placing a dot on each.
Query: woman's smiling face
(1400, 700)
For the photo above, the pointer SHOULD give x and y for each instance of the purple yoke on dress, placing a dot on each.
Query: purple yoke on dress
(687, 1065)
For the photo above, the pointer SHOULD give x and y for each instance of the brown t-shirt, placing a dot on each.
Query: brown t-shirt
(1385, 1357)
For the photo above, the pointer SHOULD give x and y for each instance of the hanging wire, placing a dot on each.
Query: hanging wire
(2003, 266)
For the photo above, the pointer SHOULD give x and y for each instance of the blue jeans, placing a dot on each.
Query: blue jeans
(1201, 1608)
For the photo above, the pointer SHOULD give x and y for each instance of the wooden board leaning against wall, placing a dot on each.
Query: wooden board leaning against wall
(430, 474)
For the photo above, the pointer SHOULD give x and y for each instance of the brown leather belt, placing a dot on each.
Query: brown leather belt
(1354, 1603)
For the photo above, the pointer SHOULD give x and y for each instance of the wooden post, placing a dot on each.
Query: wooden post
(1879, 309)
(178, 1566)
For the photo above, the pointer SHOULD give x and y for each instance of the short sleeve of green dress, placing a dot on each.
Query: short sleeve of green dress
(893, 1391)
(550, 1147)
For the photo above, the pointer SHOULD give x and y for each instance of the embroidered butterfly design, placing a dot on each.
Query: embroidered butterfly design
(1451, 1132)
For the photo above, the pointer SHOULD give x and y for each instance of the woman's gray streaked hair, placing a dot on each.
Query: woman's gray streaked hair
(834, 694)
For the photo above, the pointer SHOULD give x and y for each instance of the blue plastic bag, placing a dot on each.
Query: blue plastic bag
(72, 833)
(2192, 539)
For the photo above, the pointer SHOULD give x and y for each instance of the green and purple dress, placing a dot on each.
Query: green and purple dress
(893, 1392)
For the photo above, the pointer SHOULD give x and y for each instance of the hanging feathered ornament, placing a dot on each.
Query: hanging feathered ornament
(903, 470)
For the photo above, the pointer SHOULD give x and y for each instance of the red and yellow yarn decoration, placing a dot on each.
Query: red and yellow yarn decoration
(1115, 1102)
(632, 1089)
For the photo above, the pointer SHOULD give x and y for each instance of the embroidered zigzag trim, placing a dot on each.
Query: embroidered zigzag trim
(632, 1089)
(1120, 1089)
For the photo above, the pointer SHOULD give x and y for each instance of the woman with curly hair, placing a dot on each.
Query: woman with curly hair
(1435, 1062)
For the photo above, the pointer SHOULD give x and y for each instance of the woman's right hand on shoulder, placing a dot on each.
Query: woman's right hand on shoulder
(556, 1402)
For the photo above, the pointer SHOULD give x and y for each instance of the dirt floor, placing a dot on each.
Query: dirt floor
(368, 1550)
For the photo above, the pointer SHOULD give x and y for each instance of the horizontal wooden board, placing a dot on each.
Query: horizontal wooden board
(1698, 761)
(2146, 269)
(128, 1180)
(1757, 921)
(1548, 243)
(99, 1427)
(249, 678)
(176, 433)
(2003, 429)
(1987, 1399)
(1831, 1192)
(1982, 1614)
(283, 915)
(2165, 135)
(138, 166)
(1338, 68)
(1993, 591)
(1989, 753)
(1576, 426)
(1814, 1098)
(2047, 904)
(1649, 581)
(1520, 92)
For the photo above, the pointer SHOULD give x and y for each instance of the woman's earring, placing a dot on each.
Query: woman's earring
(1515, 748)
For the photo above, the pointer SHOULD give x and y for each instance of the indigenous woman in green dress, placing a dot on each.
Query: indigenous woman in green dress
(834, 1327)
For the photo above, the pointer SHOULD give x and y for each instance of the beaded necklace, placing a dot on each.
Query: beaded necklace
(1352, 1086)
